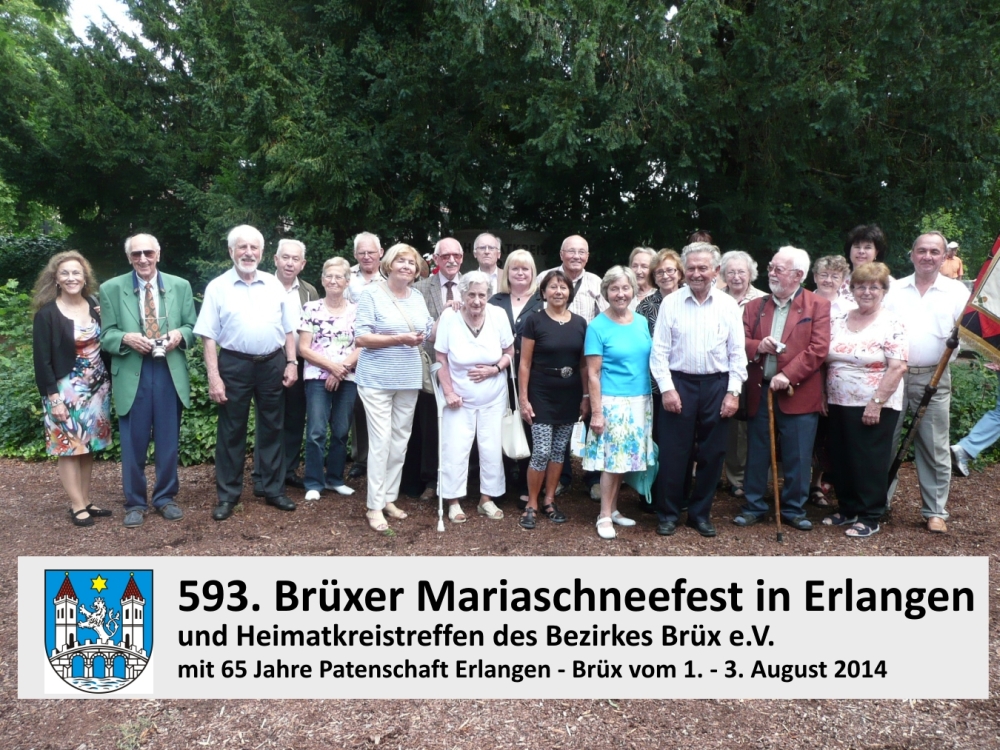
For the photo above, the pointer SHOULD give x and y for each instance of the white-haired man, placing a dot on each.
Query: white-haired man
(289, 260)
(247, 314)
(147, 318)
(700, 363)
(787, 340)
(487, 249)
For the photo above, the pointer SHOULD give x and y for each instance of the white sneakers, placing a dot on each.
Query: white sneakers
(312, 495)
(960, 460)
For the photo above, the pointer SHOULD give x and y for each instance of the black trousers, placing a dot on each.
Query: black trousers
(860, 456)
(697, 434)
(259, 382)
(294, 427)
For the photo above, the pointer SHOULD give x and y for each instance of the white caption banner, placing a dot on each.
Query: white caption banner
(486, 627)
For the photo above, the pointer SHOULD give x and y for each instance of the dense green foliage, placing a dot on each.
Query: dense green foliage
(22, 258)
(767, 123)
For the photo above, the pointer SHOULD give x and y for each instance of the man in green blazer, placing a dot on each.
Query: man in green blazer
(148, 319)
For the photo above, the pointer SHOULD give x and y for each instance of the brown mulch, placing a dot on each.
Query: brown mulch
(34, 522)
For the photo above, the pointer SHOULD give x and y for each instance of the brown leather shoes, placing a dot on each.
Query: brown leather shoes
(937, 525)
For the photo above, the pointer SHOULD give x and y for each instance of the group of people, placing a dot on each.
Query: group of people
(675, 363)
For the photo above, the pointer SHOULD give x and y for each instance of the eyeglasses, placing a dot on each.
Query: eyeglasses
(573, 252)
(829, 276)
(875, 289)
(334, 277)
(486, 248)
(450, 256)
(662, 272)
(734, 273)
(771, 268)
(366, 252)
(136, 254)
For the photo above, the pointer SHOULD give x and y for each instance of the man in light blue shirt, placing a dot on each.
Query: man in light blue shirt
(246, 313)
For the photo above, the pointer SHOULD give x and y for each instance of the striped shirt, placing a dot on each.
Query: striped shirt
(587, 302)
(699, 338)
(392, 367)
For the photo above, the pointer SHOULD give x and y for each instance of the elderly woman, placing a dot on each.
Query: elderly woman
(475, 346)
(739, 271)
(517, 285)
(71, 376)
(553, 390)
(620, 439)
(326, 343)
(390, 326)
(640, 260)
(829, 274)
(864, 390)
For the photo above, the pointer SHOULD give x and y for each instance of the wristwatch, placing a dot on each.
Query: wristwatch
(877, 400)
(734, 394)
(292, 362)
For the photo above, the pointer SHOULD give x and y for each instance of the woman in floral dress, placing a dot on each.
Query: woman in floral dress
(71, 376)
(620, 439)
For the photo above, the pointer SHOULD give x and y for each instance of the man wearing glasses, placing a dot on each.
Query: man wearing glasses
(787, 340)
(148, 319)
(289, 261)
(487, 249)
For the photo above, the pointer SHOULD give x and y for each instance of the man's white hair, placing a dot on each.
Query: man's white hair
(293, 243)
(800, 258)
(367, 236)
(244, 232)
(697, 248)
(152, 241)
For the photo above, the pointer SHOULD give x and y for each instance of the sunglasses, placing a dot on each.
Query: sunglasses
(136, 254)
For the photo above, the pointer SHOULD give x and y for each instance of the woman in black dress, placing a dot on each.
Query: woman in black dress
(517, 298)
(552, 389)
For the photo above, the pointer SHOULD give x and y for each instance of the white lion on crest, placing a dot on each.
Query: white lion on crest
(98, 619)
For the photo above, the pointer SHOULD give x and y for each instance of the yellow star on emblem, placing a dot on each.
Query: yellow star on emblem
(99, 584)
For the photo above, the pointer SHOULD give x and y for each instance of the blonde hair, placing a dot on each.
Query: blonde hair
(338, 261)
(518, 256)
(393, 252)
(46, 286)
(665, 254)
(871, 273)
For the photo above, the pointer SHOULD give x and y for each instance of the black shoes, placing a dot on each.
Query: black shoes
(357, 471)
(705, 528)
(293, 480)
(666, 528)
(281, 502)
(222, 511)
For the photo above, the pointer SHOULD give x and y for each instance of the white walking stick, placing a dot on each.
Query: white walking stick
(440, 401)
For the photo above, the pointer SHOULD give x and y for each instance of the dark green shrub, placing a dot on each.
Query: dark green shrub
(23, 258)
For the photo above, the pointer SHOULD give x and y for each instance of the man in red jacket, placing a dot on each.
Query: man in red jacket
(787, 340)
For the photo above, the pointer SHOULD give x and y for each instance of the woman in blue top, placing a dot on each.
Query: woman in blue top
(620, 438)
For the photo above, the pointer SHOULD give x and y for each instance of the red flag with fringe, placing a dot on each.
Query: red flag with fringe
(980, 326)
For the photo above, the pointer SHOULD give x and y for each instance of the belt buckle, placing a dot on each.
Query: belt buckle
(565, 372)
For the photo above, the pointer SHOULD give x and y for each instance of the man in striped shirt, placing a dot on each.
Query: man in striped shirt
(699, 363)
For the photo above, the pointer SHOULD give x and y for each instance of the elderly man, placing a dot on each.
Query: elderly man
(699, 363)
(289, 261)
(368, 252)
(930, 304)
(440, 292)
(787, 340)
(147, 318)
(248, 314)
(487, 249)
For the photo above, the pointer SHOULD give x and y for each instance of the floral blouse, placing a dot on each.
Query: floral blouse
(332, 335)
(857, 361)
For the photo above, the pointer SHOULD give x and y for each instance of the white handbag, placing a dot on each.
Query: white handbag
(578, 440)
(512, 437)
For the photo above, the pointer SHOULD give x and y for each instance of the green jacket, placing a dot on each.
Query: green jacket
(120, 315)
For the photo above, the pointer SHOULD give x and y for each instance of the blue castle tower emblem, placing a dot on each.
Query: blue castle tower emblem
(98, 626)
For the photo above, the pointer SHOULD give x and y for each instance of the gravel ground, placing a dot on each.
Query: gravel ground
(35, 523)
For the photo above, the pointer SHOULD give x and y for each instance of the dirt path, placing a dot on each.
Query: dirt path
(34, 522)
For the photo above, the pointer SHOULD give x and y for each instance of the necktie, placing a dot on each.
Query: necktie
(450, 295)
(152, 324)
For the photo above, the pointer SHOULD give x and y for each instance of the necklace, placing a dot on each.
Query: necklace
(473, 329)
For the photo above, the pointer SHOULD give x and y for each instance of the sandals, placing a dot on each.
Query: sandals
(527, 519)
(839, 519)
(605, 527)
(737, 492)
(817, 497)
(861, 530)
(455, 514)
(98, 512)
(553, 513)
(393, 512)
(377, 521)
(78, 520)
(490, 510)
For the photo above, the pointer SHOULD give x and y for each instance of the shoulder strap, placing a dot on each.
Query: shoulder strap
(385, 288)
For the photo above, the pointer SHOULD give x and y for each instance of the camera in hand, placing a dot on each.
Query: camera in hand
(160, 347)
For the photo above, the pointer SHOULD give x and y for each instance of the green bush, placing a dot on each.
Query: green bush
(23, 258)
(973, 393)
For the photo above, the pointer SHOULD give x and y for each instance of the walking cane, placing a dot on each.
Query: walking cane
(774, 463)
(439, 401)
